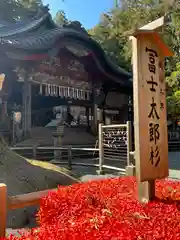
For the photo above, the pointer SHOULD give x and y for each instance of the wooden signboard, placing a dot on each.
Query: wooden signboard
(150, 113)
(151, 141)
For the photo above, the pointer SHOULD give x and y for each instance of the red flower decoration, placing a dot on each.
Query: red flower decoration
(108, 210)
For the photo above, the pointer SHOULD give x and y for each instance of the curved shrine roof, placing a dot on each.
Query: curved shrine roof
(40, 38)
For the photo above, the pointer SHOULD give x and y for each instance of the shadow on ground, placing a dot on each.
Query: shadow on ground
(174, 160)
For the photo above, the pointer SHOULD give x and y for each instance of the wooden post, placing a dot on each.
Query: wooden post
(101, 149)
(13, 130)
(146, 191)
(94, 110)
(69, 158)
(34, 151)
(55, 145)
(151, 145)
(3, 209)
(130, 168)
(3, 109)
(129, 143)
(26, 110)
(58, 137)
(87, 116)
(107, 119)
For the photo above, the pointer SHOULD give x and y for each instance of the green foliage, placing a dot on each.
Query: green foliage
(173, 106)
(131, 14)
(173, 100)
(110, 37)
(60, 18)
(174, 79)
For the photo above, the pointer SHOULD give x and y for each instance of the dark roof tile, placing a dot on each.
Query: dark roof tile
(33, 37)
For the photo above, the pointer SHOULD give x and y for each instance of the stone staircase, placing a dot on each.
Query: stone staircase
(76, 137)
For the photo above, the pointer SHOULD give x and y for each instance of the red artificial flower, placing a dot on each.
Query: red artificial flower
(108, 210)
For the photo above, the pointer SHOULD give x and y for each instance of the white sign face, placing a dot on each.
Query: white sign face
(151, 140)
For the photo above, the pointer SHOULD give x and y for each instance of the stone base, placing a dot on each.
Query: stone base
(131, 170)
(100, 172)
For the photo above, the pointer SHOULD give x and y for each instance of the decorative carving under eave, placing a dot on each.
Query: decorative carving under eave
(64, 87)
(43, 78)
(63, 66)
(57, 68)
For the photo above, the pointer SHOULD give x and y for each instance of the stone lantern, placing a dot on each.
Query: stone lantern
(58, 137)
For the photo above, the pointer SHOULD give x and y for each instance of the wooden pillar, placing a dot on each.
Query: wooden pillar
(4, 99)
(6, 85)
(95, 120)
(100, 115)
(101, 150)
(87, 116)
(26, 109)
(3, 109)
(94, 111)
(108, 120)
(130, 108)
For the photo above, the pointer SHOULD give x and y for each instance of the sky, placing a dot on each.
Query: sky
(85, 11)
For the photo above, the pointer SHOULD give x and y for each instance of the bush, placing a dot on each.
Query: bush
(108, 210)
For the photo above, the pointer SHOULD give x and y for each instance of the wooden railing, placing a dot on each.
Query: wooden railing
(114, 146)
(70, 156)
(15, 202)
(49, 152)
(174, 146)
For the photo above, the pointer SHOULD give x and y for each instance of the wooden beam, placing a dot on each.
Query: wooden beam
(156, 24)
(27, 200)
(150, 27)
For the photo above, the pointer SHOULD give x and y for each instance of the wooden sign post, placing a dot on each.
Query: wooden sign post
(151, 142)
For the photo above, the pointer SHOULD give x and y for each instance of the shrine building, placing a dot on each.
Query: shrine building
(51, 70)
